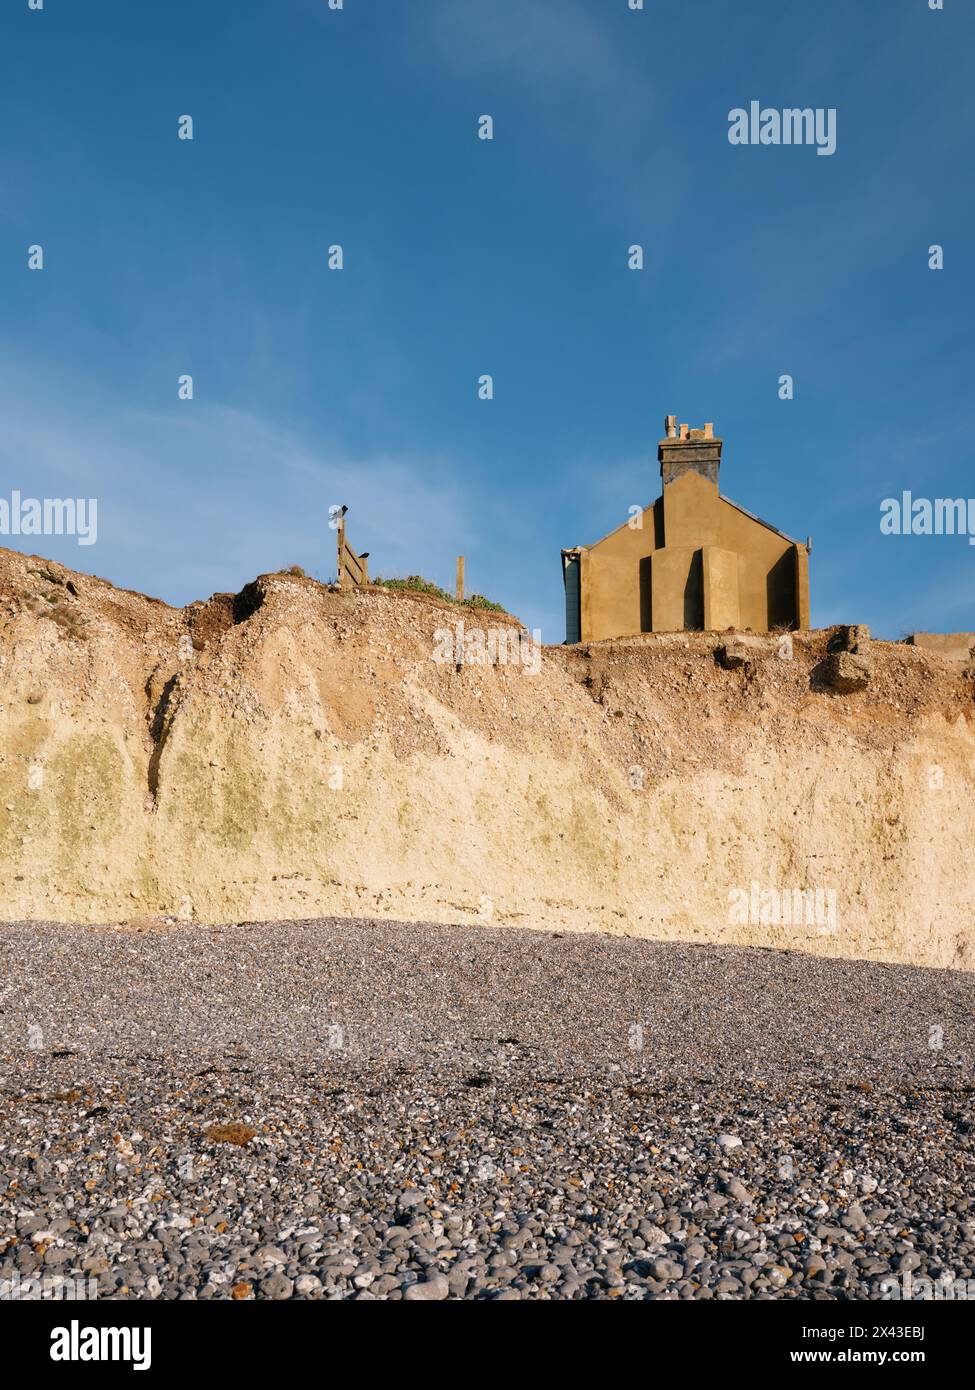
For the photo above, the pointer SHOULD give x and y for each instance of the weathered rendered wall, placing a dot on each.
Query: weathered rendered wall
(955, 646)
(634, 585)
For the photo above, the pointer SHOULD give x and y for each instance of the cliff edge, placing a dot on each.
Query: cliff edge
(295, 751)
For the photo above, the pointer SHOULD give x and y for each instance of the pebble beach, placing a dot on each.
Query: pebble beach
(346, 1109)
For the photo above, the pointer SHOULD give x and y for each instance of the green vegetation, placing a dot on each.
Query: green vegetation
(418, 585)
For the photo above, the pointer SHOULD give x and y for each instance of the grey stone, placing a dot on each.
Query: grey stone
(427, 1291)
(277, 1285)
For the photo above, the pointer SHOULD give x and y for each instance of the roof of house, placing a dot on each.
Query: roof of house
(737, 506)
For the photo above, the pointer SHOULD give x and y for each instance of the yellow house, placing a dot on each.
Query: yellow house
(692, 561)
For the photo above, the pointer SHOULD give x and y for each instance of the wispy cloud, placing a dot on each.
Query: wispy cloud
(208, 495)
(552, 42)
(201, 498)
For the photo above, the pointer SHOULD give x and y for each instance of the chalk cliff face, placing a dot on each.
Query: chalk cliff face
(293, 751)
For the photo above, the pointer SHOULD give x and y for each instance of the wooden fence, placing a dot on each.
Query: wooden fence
(352, 569)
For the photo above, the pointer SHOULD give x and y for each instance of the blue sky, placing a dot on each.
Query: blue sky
(463, 257)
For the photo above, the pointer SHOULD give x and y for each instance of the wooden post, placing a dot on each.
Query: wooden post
(340, 564)
(460, 579)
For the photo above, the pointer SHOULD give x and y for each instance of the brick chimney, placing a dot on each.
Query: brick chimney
(684, 450)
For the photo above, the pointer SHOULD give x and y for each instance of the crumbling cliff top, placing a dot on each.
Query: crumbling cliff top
(297, 750)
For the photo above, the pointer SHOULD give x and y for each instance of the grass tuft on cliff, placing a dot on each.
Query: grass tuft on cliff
(417, 584)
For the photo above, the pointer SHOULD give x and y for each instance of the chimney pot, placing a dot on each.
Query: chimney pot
(688, 451)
